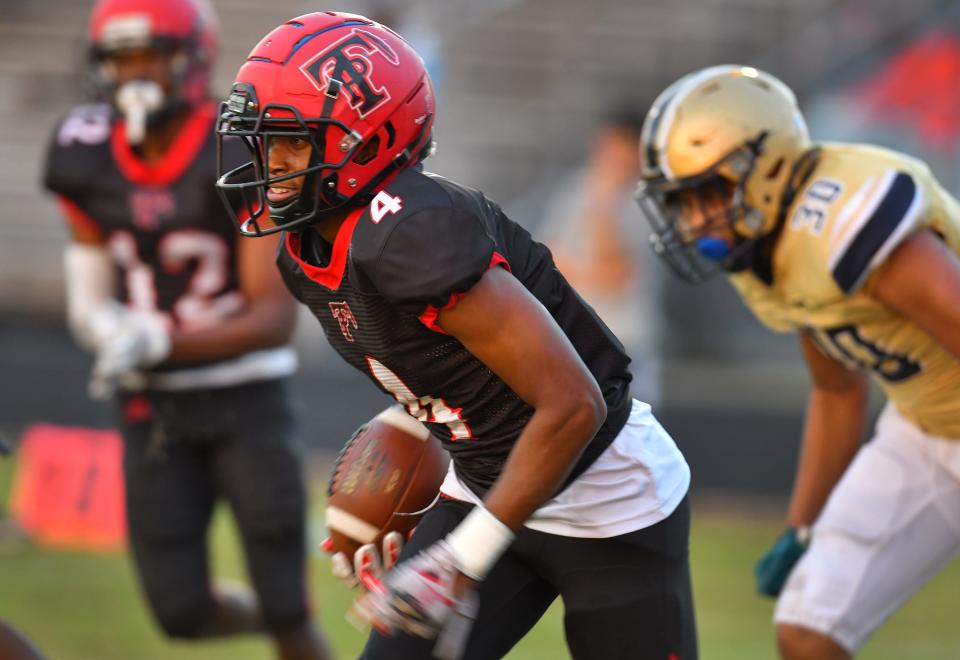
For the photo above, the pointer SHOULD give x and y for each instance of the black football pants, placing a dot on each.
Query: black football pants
(624, 597)
(182, 452)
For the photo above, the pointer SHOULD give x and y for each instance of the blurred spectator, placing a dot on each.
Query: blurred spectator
(592, 227)
(189, 327)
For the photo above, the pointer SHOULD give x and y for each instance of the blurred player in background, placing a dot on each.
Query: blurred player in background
(855, 248)
(560, 483)
(189, 327)
(589, 226)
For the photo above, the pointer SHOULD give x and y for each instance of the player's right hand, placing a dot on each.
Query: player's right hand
(774, 567)
(104, 323)
(420, 597)
(367, 561)
(140, 339)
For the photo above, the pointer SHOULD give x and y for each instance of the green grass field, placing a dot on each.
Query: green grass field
(86, 607)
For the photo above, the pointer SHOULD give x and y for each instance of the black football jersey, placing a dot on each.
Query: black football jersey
(377, 291)
(171, 240)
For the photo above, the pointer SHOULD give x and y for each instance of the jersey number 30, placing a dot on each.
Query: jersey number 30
(847, 345)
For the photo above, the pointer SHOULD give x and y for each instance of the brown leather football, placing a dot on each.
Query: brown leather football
(386, 476)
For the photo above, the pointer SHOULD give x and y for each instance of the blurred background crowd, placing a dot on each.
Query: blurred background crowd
(540, 104)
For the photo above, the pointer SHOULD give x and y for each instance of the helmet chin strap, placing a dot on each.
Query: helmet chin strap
(278, 211)
(136, 100)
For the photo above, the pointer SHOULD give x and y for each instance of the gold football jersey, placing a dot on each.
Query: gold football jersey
(858, 204)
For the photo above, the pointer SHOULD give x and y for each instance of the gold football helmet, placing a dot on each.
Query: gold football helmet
(728, 132)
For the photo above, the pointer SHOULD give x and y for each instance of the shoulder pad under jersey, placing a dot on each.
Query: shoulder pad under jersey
(417, 244)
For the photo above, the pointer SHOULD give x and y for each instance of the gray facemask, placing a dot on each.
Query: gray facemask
(136, 100)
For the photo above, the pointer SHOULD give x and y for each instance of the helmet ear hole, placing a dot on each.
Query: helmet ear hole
(368, 151)
(774, 171)
(391, 133)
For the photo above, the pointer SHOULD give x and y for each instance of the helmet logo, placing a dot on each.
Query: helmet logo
(349, 61)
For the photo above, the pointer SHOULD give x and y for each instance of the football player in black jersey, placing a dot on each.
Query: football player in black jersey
(189, 326)
(560, 484)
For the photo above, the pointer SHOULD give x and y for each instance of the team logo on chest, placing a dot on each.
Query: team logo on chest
(341, 311)
(350, 61)
(149, 207)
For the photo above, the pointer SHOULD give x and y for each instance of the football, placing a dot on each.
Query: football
(386, 476)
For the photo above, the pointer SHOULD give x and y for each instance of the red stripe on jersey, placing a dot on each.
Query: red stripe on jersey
(177, 158)
(430, 314)
(76, 216)
(499, 260)
(332, 275)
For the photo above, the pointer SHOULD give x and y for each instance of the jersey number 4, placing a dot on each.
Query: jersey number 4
(423, 408)
(383, 204)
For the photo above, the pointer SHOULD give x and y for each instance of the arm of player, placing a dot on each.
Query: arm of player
(145, 339)
(506, 328)
(97, 320)
(833, 428)
(89, 280)
(921, 280)
(267, 320)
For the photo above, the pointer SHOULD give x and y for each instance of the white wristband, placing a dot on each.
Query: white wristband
(478, 542)
(92, 313)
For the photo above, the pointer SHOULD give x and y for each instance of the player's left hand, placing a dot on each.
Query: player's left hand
(425, 596)
(774, 567)
(368, 562)
(141, 340)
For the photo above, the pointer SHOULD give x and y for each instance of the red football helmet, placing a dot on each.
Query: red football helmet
(187, 29)
(353, 88)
